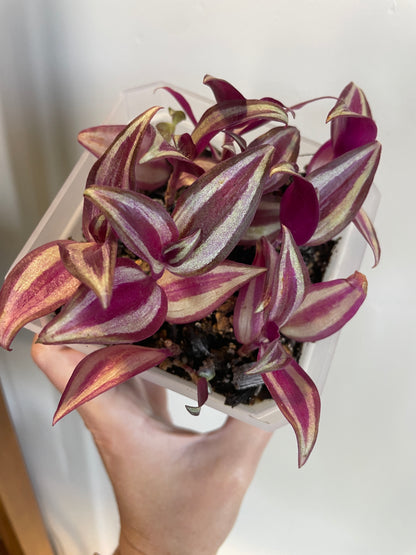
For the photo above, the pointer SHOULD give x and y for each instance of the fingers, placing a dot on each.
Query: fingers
(57, 362)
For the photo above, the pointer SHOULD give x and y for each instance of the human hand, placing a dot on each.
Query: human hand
(178, 492)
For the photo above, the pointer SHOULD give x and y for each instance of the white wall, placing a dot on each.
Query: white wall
(62, 66)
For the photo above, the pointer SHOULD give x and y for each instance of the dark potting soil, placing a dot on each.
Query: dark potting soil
(210, 348)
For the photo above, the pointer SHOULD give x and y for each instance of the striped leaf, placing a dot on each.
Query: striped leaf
(298, 398)
(326, 308)
(222, 204)
(177, 252)
(137, 310)
(233, 113)
(93, 264)
(352, 124)
(202, 389)
(149, 175)
(223, 90)
(97, 139)
(141, 223)
(116, 167)
(351, 102)
(248, 320)
(286, 143)
(292, 280)
(274, 296)
(158, 149)
(272, 356)
(342, 187)
(367, 230)
(194, 297)
(104, 369)
(35, 287)
(266, 222)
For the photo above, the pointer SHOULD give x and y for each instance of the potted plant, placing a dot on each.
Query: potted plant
(205, 228)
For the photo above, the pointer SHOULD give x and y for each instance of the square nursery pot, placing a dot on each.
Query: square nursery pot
(63, 220)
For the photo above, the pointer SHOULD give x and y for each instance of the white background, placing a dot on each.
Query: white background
(62, 66)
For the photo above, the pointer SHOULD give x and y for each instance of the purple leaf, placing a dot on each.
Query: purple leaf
(98, 139)
(180, 177)
(291, 277)
(160, 150)
(238, 139)
(322, 156)
(149, 175)
(93, 264)
(202, 392)
(326, 308)
(36, 286)
(286, 142)
(248, 321)
(274, 296)
(185, 145)
(231, 114)
(298, 398)
(266, 222)
(342, 187)
(195, 297)
(366, 228)
(116, 167)
(271, 262)
(299, 209)
(179, 251)
(301, 105)
(272, 356)
(351, 132)
(183, 103)
(221, 203)
(353, 99)
(222, 89)
(137, 310)
(104, 369)
(141, 223)
(351, 122)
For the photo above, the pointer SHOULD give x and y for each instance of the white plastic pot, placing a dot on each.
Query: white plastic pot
(63, 220)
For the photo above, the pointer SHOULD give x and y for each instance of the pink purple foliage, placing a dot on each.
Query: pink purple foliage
(214, 198)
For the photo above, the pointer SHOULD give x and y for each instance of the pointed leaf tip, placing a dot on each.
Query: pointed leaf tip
(137, 310)
(342, 186)
(103, 370)
(222, 204)
(141, 223)
(326, 308)
(191, 298)
(298, 398)
(37, 285)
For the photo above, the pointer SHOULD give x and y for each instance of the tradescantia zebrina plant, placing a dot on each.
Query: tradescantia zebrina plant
(165, 213)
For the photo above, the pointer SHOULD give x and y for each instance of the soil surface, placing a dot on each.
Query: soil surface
(210, 348)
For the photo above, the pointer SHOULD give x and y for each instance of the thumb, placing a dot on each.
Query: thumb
(57, 362)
